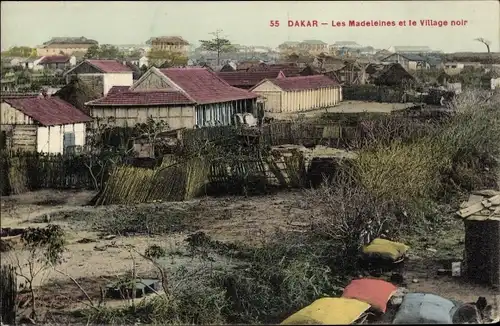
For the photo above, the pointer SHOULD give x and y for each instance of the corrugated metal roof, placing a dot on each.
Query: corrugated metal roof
(304, 82)
(48, 111)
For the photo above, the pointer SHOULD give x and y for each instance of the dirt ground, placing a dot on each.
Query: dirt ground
(223, 219)
(250, 220)
(346, 106)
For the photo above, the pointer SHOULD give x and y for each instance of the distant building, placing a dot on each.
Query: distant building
(391, 74)
(435, 62)
(288, 46)
(57, 62)
(408, 60)
(137, 61)
(410, 49)
(313, 46)
(102, 74)
(295, 94)
(367, 50)
(346, 44)
(65, 46)
(454, 68)
(348, 48)
(29, 63)
(169, 43)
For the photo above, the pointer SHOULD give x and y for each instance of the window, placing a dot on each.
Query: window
(68, 141)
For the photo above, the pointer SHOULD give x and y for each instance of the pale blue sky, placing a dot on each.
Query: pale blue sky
(133, 22)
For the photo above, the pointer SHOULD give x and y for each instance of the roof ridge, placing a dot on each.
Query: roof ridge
(182, 90)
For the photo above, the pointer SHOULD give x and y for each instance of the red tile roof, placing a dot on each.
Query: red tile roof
(245, 78)
(109, 66)
(118, 89)
(304, 82)
(17, 95)
(142, 98)
(48, 111)
(54, 59)
(204, 86)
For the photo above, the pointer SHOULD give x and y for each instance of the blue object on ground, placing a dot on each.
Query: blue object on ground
(425, 308)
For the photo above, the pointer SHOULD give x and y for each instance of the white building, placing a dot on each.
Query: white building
(42, 124)
(409, 61)
(295, 94)
(410, 49)
(346, 45)
(105, 73)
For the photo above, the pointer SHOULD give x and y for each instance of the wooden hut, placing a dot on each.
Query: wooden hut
(482, 238)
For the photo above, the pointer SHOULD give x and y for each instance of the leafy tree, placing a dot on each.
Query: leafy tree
(168, 58)
(108, 51)
(44, 249)
(217, 44)
(19, 51)
(135, 54)
(105, 51)
(92, 52)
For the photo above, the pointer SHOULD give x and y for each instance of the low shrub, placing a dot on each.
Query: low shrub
(150, 219)
(459, 152)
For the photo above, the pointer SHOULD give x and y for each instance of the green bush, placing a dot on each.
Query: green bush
(458, 152)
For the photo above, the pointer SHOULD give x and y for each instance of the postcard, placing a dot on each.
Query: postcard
(250, 162)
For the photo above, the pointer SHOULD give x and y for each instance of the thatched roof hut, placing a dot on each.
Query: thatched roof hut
(388, 74)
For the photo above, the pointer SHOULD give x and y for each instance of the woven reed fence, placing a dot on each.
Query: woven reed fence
(372, 93)
(26, 171)
(173, 180)
(179, 179)
(275, 134)
(8, 293)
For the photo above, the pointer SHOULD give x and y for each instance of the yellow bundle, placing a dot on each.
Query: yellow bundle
(328, 311)
(385, 249)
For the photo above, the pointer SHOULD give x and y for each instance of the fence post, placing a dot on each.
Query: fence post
(8, 293)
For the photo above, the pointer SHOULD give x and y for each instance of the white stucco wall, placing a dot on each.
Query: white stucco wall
(50, 139)
(117, 79)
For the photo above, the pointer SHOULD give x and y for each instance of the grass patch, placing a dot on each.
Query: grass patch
(460, 155)
(148, 219)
